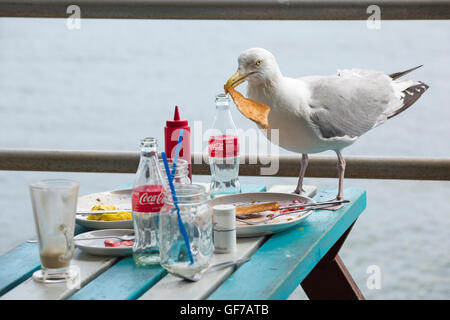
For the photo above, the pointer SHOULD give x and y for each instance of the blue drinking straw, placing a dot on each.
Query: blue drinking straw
(177, 152)
(175, 202)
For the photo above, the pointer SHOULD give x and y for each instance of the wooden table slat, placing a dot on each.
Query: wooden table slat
(173, 288)
(123, 281)
(90, 267)
(18, 265)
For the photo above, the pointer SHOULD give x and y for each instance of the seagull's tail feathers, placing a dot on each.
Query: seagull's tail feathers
(410, 95)
(397, 75)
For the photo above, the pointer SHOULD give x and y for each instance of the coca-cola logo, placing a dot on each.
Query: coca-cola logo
(223, 146)
(216, 146)
(148, 201)
(149, 198)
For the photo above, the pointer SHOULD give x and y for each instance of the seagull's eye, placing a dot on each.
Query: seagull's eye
(258, 62)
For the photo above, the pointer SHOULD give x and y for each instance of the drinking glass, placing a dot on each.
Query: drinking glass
(54, 206)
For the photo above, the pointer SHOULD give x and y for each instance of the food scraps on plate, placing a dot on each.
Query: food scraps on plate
(121, 215)
(261, 207)
(125, 243)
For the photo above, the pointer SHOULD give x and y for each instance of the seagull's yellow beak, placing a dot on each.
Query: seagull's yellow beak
(236, 79)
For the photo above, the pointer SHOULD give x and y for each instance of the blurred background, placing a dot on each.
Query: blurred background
(112, 82)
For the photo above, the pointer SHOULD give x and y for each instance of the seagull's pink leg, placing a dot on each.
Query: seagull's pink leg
(341, 169)
(303, 166)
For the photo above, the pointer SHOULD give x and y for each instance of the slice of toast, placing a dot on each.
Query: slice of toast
(254, 208)
(251, 109)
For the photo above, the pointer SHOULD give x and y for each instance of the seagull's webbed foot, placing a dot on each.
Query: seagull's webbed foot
(334, 208)
(298, 191)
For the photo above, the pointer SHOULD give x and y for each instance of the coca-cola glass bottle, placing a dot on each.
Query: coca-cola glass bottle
(223, 150)
(146, 201)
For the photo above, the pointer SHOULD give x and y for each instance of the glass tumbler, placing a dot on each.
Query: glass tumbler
(197, 220)
(54, 206)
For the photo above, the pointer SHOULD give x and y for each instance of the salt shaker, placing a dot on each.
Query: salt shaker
(224, 216)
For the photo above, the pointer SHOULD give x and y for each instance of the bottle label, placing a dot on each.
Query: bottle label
(223, 146)
(147, 198)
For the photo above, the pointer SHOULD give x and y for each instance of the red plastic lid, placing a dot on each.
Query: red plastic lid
(177, 122)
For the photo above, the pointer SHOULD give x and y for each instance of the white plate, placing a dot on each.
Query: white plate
(276, 225)
(120, 198)
(97, 246)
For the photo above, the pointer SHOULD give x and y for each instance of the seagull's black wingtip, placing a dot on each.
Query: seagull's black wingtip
(411, 95)
(397, 75)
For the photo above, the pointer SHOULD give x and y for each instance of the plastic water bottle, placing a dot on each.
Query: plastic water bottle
(223, 150)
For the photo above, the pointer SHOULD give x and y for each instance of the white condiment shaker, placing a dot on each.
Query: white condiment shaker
(224, 227)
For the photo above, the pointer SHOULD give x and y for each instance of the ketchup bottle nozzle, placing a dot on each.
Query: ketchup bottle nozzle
(176, 115)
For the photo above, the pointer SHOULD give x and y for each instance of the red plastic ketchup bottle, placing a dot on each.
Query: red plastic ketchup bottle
(171, 134)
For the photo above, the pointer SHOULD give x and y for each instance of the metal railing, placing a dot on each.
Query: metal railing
(230, 9)
(319, 166)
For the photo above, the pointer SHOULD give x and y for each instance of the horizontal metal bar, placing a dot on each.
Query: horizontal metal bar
(361, 167)
(69, 161)
(229, 9)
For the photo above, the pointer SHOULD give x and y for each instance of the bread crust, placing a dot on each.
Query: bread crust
(254, 208)
(251, 109)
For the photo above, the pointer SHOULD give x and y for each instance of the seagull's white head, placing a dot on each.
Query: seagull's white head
(256, 65)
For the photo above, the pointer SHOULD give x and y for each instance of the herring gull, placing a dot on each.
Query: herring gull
(318, 113)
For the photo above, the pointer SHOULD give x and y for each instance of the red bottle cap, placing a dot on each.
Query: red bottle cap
(177, 122)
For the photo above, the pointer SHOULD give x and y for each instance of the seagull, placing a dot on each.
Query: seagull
(313, 114)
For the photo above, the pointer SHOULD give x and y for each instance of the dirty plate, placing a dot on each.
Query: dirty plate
(120, 198)
(276, 225)
(97, 246)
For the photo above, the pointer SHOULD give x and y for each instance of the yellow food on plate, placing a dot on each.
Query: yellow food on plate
(102, 206)
(122, 215)
(251, 109)
(117, 216)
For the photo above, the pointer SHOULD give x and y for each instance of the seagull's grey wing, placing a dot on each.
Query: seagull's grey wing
(349, 105)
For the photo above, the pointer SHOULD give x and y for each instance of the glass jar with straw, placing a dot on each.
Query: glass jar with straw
(195, 214)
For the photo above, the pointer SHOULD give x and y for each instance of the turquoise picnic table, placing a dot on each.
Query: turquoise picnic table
(305, 255)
